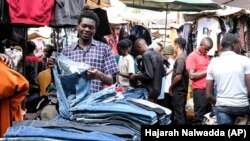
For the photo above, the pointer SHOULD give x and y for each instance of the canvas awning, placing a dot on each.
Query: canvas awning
(172, 5)
(227, 11)
(234, 3)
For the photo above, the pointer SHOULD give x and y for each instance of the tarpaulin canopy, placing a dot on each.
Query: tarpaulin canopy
(234, 3)
(228, 11)
(172, 5)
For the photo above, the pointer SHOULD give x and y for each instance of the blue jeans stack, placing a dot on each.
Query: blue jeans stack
(94, 112)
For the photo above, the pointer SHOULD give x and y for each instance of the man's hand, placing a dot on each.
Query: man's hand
(133, 77)
(6, 60)
(170, 92)
(92, 74)
(51, 62)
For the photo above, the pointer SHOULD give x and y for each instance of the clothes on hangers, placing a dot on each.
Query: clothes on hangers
(66, 12)
(208, 27)
(32, 12)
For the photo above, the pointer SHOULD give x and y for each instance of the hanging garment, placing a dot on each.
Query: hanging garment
(4, 13)
(137, 32)
(31, 12)
(186, 34)
(104, 28)
(208, 27)
(66, 12)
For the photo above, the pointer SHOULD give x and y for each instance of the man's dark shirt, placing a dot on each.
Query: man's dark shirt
(152, 72)
(179, 68)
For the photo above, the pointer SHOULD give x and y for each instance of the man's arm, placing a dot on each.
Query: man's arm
(149, 71)
(106, 79)
(196, 75)
(247, 79)
(175, 81)
(126, 75)
(209, 92)
(180, 68)
(131, 68)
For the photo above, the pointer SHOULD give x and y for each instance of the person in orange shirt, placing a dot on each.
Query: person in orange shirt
(13, 89)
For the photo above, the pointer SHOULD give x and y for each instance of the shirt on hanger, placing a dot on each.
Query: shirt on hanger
(208, 27)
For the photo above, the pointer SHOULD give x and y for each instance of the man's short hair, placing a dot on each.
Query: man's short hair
(208, 41)
(181, 42)
(89, 14)
(228, 40)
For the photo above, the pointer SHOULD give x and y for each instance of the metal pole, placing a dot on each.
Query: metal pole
(166, 22)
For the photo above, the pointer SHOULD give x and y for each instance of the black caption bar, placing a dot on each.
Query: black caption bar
(160, 132)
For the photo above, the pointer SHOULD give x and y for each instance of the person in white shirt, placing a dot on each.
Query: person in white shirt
(231, 73)
(164, 97)
(126, 64)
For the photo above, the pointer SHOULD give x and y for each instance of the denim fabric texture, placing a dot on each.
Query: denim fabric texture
(87, 116)
(227, 115)
(70, 83)
(118, 130)
(27, 131)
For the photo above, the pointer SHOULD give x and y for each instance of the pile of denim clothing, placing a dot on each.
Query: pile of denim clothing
(110, 114)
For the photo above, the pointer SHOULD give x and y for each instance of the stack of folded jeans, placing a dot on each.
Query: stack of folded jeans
(29, 132)
(105, 107)
(122, 114)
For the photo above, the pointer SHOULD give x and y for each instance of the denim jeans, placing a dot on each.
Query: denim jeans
(163, 114)
(28, 131)
(121, 116)
(118, 130)
(109, 94)
(100, 96)
(71, 85)
(118, 107)
(29, 139)
(137, 93)
(227, 115)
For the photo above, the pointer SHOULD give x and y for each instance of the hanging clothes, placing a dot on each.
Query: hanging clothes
(208, 27)
(31, 12)
(244, 34)
(66, 12)
(104, 28)
(4, 13)
(137, 32)
(186, 35)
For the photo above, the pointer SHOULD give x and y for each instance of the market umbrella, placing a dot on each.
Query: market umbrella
(172, 5)
(234, 3)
